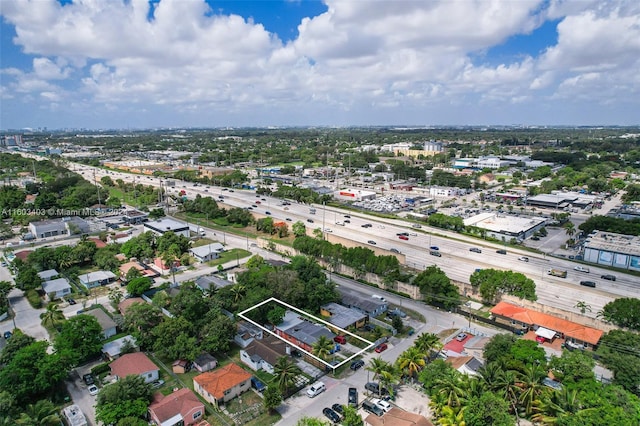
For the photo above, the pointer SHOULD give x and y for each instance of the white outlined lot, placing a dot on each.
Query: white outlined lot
(314, 318)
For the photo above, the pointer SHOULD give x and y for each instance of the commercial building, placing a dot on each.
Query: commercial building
(354, 195)
(161, 226)
(609, 249)
(505, 226)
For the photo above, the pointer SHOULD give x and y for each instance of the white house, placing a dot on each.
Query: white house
(208, 252)
(56, 289)
(96, 278)
(49, 274)
(263, 354)
(136, 363)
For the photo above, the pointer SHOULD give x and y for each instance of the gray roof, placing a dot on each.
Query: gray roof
(51, 225)
(205, 282)
(53, 286)
(48, 274)
(205, 250)
(204, 359)
(114, 347)
(306, 331)
(269, 349)
(96, 276)
(368, 304)
(341, 316)
(166, 224)
(104, 320)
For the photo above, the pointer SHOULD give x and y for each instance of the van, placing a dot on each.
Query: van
(588, 283)
(316, 389)
(372, 408)
(380, 298)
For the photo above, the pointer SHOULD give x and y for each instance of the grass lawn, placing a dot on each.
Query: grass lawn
(229, 255)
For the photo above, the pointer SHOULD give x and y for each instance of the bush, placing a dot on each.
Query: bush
(100, 369)
(34, 299)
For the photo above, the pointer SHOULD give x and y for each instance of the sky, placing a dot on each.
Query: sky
(136, 64)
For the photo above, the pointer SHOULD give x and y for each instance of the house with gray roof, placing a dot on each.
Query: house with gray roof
(56, 289)
(207, 253)
(109, 326)
(246, 333)
(207, 282)
(343, 317)
(263, 354)
(301, 332)
(113, 349)
(367, 305)
(97, 278)
(49, 274)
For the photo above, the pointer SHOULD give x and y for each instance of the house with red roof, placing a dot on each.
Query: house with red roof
(181, 407)
(546, 326)
(223, 384)
(136, 363)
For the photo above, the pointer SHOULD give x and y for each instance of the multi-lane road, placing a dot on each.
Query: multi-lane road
(456, 260)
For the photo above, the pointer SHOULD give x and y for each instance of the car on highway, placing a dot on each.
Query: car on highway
(366, 225)
(381, 348)
(475, 250)
(267, 213)
(258, 202)
(501, 251)
(356, 365)
(588, 284)
(403, 237)
(347, 221)
(331, 415)
(328, 230)
(608, 277)
(254, 206)
(373, 243)
(352, 397)
(434, 248)
(460, 337)
(523, 259)
(310, 220)
(406, 234)
(580, 268)
(435, 253)
(394, 250)
(288, 219)
(347, 216)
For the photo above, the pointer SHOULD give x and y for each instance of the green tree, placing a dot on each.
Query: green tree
(18, 341)
(299, 229)
(128, 397)
(572, 367)
(322, 347)
(411, 361)
(140, 319)
(42, 413)
(272, 398)
(312, 421)
(623, 312)
(488, 410)
(285, 372)
(28, 279)
(351, 417)
(427, 343)
(174, 339)
(436, 288)
(53, 316)
(217, 333)
(583, 306)
(137, 286)
(498, 347)
(81, 336)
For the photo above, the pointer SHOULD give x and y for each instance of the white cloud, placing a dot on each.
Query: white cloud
(392, 55)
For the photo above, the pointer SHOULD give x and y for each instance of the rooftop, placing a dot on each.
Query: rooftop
(502, 223)
(166, 224)
(218, 381)
(105, 321)
(615, 243)
(341, 316)
(180, 402)
(134, 363)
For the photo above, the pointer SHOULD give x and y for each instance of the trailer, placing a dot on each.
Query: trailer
(557, 273)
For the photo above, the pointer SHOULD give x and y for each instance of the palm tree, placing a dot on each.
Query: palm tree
(238, 291)
(427, 342)
(450, 386)
(452, 416)
(570, 229)
(389, 376)
(322, 347)
(531, 385)
(377, 366)
(492, 375)
(285, 372)
(52, 316)
(42, 413)
(411, 361)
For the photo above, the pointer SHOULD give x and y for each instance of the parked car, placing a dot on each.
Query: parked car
(384, 405)
(316, 389)
(340, 339)
(475, 250)
(352, 397)
(372, 408)
(88, 379)
(381, 347)
(93, 390)
(356, 365)
(71, 301)
(581, 268)
(288, 219)
(267, 213)
(374, 387)
(157, 384)
(338, 409)
(460, 337)
(257, 384)
(394, 250)
(310, 220)
(331, 415)
(7, 335)
(608, 277)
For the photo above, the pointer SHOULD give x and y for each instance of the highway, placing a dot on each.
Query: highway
(456, 260)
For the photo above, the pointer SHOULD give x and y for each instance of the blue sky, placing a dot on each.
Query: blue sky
(197, 63)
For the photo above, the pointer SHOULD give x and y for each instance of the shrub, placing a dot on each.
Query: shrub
(100, 369)
(34, 299)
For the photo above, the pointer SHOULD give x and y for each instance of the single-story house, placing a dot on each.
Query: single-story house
(48, 275)
(144, 271)
(182, 408)
(205, 362)
(112, 350)
(207, 253)
(246, 333)
(301, 332)
(468, 365)
(205, 282)
(343, 317)
(263, 354)
(367, 305)
(56, 289)
(223, 384)
(136, 363)
(97, 278)
(109, 326)
(397, 417)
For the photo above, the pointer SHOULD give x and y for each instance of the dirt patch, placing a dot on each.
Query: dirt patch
(411, 399)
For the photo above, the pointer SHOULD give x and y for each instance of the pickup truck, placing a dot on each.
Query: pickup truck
(557, 273)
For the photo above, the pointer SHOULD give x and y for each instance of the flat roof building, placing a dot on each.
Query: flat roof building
(498, 226)
(610, 249)
(161, 226)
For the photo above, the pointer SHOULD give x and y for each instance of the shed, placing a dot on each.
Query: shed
(205, 362)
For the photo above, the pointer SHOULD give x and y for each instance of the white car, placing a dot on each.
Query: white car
(93, 390)
(384, 405)
(523, 259)
(328, 230)
(582, 269)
